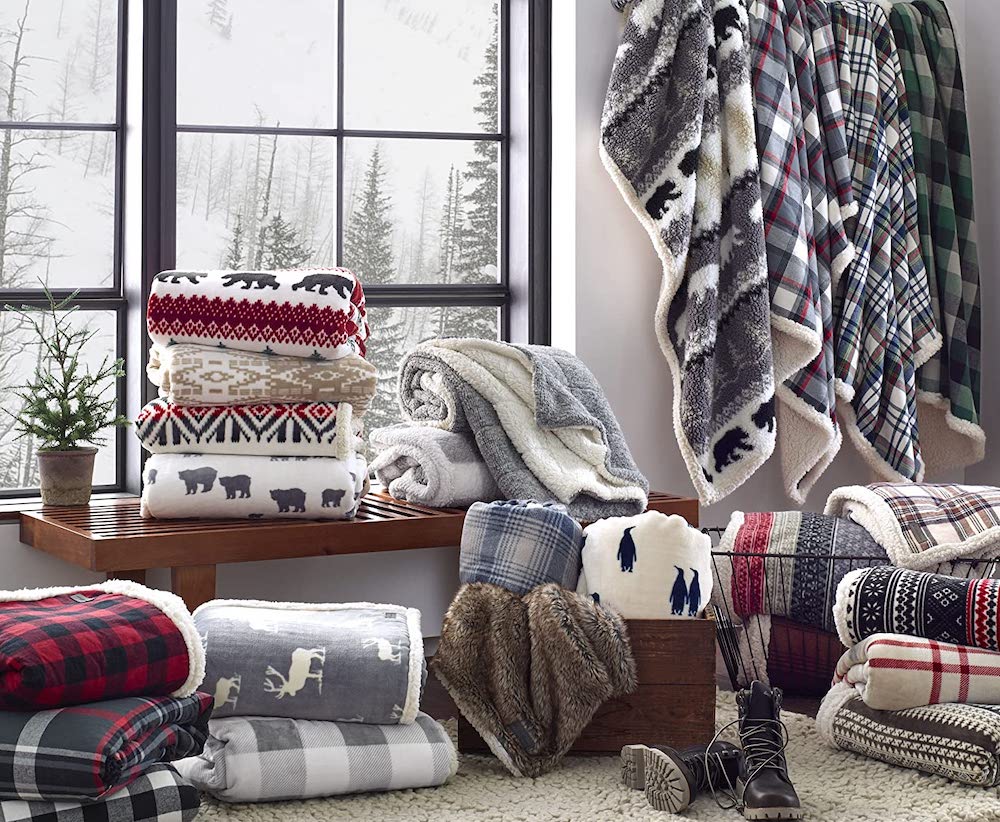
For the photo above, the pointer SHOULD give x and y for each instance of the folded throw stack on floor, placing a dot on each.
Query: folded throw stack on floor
(353, 662)
(540, 420)
(260, 759)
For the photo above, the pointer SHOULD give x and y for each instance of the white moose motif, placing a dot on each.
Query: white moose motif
(227, 691)
(299, 672)
(387, 652)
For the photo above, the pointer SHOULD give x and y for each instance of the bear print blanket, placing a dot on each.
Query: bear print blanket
(343, 662)
(226, 486)
(317, 313)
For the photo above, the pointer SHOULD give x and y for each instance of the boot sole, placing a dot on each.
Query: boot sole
(633, 767)
(667, 789)
(772, 813)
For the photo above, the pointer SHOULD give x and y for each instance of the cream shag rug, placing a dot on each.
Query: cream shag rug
(835, 786)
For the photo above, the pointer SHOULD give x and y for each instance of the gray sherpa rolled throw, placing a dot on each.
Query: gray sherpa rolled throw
(539, 417)
(530, 672)
(677, 137)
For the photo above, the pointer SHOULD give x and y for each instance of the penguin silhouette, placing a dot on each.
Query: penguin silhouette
(626, 550)
(596, 597)
(678, 594)
(694, 594)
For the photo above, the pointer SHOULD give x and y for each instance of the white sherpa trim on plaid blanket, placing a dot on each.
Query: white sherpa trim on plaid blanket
(171, 605)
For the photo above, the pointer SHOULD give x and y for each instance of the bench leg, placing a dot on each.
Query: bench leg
(195, 584)
(133, 576)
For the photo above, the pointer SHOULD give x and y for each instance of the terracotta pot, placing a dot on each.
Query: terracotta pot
(66, 477)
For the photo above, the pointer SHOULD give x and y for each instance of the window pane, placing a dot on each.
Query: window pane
(18, 358)
(257, 62)
(228, 189)
(421, 211)
(68, 50)
(396, 51)
(394, 331)
(59, 209)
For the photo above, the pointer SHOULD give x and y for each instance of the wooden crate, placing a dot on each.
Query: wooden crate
(674, 704)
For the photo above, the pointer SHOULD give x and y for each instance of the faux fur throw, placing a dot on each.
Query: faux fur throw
(431, 466)
(677, 137)
(529, 673)
(651, 566)
(226, 486)
(305, 429)
(892, 672)
(199, 375)
(317, 313)
(540, 419)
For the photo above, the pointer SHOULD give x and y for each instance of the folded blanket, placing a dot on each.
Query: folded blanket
(158, 795)
(921, 524)
(306, 429)
(897, 601)
(540, 419)
(892, 672)
(529, 673)
(351, 662)
(67, 646)
(431, 466)
(89, 751)
(177, 486)
(260, 759)
(199, 375)
(960, 742)
(651, 566)
(273, 312)
(519, 545)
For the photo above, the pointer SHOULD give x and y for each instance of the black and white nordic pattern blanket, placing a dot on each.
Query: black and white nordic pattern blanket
(677, 137)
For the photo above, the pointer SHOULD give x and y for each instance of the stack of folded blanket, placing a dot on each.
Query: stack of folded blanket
(263, 385)
(97, 694)
(315, 700)
(489, 420)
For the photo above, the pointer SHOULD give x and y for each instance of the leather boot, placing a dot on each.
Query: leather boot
(673, 779)
(764, 787)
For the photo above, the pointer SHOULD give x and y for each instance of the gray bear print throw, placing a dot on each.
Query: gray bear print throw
(343, 662)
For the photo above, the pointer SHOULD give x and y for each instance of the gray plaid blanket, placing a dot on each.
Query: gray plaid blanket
(259, 759)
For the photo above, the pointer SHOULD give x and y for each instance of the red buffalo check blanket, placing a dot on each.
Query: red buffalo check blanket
(893, 672)
(69, 646)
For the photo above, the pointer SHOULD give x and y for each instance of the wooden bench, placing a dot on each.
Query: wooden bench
(110, 536)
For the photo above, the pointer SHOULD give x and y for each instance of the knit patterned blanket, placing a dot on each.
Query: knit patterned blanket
(318, 313)
(677, 137)
(198, 375)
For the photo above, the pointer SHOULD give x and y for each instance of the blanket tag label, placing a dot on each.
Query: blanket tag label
(81, 598)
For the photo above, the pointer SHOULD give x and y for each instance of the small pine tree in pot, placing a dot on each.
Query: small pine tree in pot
(65, 406)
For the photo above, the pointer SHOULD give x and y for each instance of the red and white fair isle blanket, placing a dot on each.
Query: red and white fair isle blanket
(317, 313)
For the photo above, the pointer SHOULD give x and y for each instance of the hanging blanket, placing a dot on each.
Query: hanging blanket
(260, 759)
(898, 601)
(540, 419)
(431, 466)
(529, 673)
(220, 486)
(921, 525)
(108, 743)
(198, 375)
(960, 742)
(305, 429)
(352, 662)
(948, 384)
(158, 795)
(892, 672)
(318, 313)
(677, 137)
(67, 646)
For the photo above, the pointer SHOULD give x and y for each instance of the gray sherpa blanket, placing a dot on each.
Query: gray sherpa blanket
(677, 137)
(540, 420)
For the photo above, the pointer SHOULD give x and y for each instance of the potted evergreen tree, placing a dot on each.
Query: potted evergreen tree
(66, 404)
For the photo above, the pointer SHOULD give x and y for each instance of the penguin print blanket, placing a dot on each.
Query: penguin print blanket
(227, 486)
(316, 313)
(343, 662)
(650, 566)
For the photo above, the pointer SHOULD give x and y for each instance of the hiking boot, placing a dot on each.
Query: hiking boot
(672, 778)
(764, 787)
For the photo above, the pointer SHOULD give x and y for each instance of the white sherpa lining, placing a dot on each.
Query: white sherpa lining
(947, 441)
(840, 608)
(838, 696)
(805, 456)
(171, 605)
(875, 460)
(412, 704)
